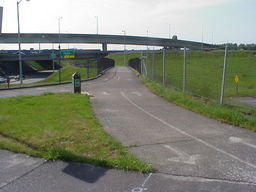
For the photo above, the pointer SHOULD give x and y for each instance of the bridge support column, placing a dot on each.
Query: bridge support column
(104, 47)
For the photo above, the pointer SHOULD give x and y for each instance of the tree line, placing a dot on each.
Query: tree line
(235, 46)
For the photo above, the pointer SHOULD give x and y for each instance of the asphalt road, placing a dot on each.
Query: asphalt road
(190, 152)
(34, 77)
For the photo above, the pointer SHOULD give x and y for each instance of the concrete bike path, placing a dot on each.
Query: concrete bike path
(190, 152)
(176, 141)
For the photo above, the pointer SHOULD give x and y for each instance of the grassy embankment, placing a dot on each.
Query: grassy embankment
(203, 70)
(66, 74)
(61, 126)
(119, 57)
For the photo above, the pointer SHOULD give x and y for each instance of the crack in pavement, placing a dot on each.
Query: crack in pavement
(176, 141)
(21, 176)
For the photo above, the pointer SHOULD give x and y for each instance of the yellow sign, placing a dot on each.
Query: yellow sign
(236, 78)
(69, 56)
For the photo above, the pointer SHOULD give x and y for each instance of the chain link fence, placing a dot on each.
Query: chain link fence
(219, 75)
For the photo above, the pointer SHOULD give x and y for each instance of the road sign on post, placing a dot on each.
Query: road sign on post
(237, 80)
(67, 53)
(76, 81)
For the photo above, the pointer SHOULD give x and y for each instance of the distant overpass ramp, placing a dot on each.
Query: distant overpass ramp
(12, 38)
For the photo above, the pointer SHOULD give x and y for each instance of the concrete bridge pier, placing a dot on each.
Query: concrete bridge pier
(104, 47)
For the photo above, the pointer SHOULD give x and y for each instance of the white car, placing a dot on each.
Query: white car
(2, 80)
(17, 78)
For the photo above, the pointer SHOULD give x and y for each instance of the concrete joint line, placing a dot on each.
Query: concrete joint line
(187, 134)
(21, 176)
(202, 179)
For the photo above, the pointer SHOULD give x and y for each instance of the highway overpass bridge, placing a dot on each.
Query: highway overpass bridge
(30, 38)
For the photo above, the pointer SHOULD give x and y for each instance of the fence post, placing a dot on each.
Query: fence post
(224, 76)
(184, 71)
(88, 72)
(153, 64)
(141, 66)
(146, 63)
(145, 67)
(163, 67)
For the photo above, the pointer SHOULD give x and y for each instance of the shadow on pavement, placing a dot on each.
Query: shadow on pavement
(85, 172)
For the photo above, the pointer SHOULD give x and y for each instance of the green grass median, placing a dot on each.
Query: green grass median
(61, 126)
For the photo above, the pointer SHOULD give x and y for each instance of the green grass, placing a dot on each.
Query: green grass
(70, 66)
(66, 75)
(35, 65)
(204, 71)
(61, 126)
(240, 116)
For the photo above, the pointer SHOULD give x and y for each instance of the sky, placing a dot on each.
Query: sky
(210, 21)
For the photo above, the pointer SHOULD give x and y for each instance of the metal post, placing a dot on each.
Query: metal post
(88, 72)
(1, 18)
(52, 58)
(97, 20)
(184, 71)
(19, 42)
(141, 66)
(224, 76)
(153, 64)
(59, 51)
(147, 38)
(146, 65)
(124, 46)
(163, 67)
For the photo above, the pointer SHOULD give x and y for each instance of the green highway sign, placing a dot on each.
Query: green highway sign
(67, 53)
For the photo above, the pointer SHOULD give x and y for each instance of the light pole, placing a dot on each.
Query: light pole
(97, 21)
(169, 31)
(19, 41)
(147, 37)
(68, 34)
(59, 51)
(124, 44)
(53, 57)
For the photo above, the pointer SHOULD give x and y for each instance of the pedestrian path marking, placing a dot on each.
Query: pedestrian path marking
(182, 156)
(137, 93)
(105, 93)
(142, 188)
(239, 140)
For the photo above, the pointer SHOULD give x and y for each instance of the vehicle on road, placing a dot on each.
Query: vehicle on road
(2, 80)
(17, 78)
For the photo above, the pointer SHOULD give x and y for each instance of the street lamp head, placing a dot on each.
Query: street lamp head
(18, 2)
